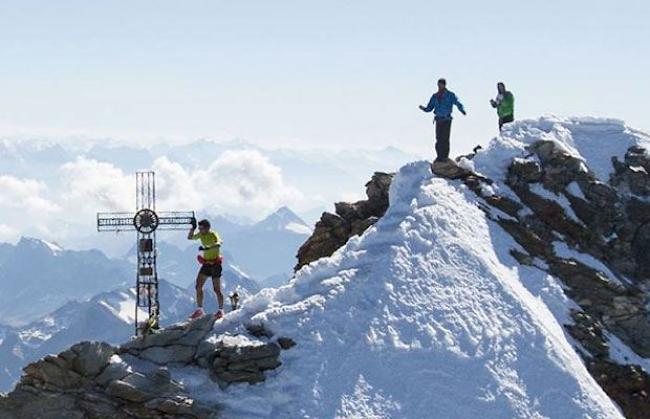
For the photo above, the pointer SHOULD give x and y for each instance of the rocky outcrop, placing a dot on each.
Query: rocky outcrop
(92, 380)
(350, 219)
(97, 380)
(609, 221)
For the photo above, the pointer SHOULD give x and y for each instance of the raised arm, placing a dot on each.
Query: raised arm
(190, 235)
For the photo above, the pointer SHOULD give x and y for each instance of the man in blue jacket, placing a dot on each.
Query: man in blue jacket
(442, 103)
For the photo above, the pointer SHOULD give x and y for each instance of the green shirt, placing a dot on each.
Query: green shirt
(506, 106)
(209, 239)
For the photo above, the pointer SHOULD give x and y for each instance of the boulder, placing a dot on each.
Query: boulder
(92, 357)
(241, 360)
(449, 169)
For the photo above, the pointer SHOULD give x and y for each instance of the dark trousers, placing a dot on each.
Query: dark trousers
(443, 131)
(505, 120)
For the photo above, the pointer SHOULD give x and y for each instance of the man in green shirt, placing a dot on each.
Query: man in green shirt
(504, 104)
(210, 265)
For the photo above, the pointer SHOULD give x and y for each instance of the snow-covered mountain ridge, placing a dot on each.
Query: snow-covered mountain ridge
(454, 304)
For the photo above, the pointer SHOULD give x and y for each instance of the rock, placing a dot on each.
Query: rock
(286, 343)
(89, 382)
(173, 354)
(377, 188)
(114, 371)
(589, 333)
(505, 204)
(641, 250)
(332, 231)
(450, 170)
(526, 237)
(126, 391)
(258, 330)
(46, 405)
(632, 175)
(92, 357)
(628, 385)
(241, 360)
(187, 335)
(559, 168)
(51, 371)
(528, 171)
(205, 354)
(522, 258)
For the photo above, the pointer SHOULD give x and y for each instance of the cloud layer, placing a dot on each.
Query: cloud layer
(241, 182)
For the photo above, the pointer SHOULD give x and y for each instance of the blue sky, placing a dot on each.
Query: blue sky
(307, 74)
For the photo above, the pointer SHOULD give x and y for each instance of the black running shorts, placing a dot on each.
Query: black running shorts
(211, 269)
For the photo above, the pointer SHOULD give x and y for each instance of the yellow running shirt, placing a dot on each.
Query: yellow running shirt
(209, 239)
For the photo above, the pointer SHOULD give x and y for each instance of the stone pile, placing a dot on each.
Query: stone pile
(91, 380)
(97, 380)
(237, 359)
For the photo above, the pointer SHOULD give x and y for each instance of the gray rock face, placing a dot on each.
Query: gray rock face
(94, 379)
(350, 219)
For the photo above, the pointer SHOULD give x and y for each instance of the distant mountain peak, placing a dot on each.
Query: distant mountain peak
(32, 243)
(284, 219)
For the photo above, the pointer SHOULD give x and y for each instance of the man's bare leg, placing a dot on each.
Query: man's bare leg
(216, 284)
(200, 282)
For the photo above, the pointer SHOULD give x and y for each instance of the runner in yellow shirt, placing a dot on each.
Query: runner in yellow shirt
(210, 265)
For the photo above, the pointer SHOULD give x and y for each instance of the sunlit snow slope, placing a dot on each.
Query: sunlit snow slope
(423, 316)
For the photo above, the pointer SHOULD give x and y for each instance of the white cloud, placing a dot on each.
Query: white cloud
(175, 187)
(8, 234)
(92, 186)
(25, 195)
(242, 182)
(239, 182)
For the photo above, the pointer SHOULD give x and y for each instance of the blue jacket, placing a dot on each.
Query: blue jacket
(442, 109)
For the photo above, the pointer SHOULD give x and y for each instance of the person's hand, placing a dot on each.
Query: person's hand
(193, 223)
(464, 113)
(422, 107)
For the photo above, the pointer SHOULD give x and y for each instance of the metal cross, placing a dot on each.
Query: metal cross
(145, 221)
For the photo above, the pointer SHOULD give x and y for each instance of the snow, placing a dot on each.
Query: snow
(54, 247)
(574, 189)
(622, 354)
(423, 315)
(593, 140)
(298, 228)
(561, 200)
